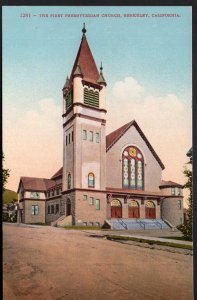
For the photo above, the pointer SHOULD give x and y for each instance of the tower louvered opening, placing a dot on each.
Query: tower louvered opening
(91, 98)
(69, 99)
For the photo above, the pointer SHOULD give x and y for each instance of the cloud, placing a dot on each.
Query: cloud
(127, 89)
(33, 141)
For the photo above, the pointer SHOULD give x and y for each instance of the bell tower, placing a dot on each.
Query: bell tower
(84, 153)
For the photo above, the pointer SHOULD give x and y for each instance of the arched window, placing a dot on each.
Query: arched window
(69, 181)
(132, 168)
(91, 180)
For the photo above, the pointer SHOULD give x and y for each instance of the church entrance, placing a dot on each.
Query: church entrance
(133, 210)
(116, 209)
(68, 207)
(150, 210)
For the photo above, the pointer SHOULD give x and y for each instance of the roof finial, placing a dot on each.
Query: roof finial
(84, 29)
(101, 67)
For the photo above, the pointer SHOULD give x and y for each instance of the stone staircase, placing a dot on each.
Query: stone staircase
(62, 221)
(138, 224)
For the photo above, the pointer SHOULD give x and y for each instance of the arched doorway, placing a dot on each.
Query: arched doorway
(133, 209)
(150, 210)
(68, 207)
(116, 209)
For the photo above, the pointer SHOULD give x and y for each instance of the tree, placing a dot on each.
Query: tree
(6, 174)
(186, 228)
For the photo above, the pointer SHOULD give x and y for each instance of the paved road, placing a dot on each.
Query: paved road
(53, 264)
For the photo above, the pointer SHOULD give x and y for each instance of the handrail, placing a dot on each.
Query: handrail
(122, 223)
(157, 222)
(141, 223)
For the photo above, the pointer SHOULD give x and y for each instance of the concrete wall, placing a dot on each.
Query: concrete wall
(152, 168)
(171, 211)
(28, 217)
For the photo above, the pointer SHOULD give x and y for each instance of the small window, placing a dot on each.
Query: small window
(69, 181)
(97, 137)
(66, 140)
(173, 191)
(97, 204)
(72, 136)
(48, 194)
(84, 135)
(57, 208)
(85, 197)
(49, 210)
(91, 136)
(52, 193)
(34, 209)
(52, 209)
(179, 204)
(91, 201)
(57, 192)
(69, 138)
(34, 195)
(91, 180)
(178, 191)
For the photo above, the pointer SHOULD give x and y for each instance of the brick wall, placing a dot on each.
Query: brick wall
(171, 211)
(28, 217)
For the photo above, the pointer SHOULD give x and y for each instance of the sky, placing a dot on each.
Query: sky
(147, 64)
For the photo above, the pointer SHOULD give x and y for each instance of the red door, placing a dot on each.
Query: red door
(150, 213)
(116, 212)
(134, 212)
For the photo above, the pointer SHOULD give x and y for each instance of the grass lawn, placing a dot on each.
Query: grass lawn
(150, 242)
(181, 238)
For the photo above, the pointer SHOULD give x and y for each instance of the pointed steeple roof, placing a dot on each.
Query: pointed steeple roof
(86, 61)
(101, 79)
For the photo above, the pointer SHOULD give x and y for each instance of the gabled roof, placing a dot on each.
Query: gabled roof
(114, 136)
(169, 184)
(86, 62)
(36, 184)
(58, 173)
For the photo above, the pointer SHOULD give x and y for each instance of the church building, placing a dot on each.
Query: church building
(114, 180)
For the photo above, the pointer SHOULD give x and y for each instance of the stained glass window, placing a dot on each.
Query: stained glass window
(125, 173)
(139, 175)
(133, 168)
(132, 173)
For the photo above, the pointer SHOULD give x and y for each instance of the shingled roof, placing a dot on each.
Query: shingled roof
(85, 60)
(169, 184)
(36, 184)
(114, 136)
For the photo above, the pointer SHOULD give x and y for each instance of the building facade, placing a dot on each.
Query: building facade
(118, 176)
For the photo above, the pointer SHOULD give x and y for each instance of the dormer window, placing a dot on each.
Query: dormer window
(91, 97)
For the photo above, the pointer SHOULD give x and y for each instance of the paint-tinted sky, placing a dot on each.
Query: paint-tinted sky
(147, 65)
